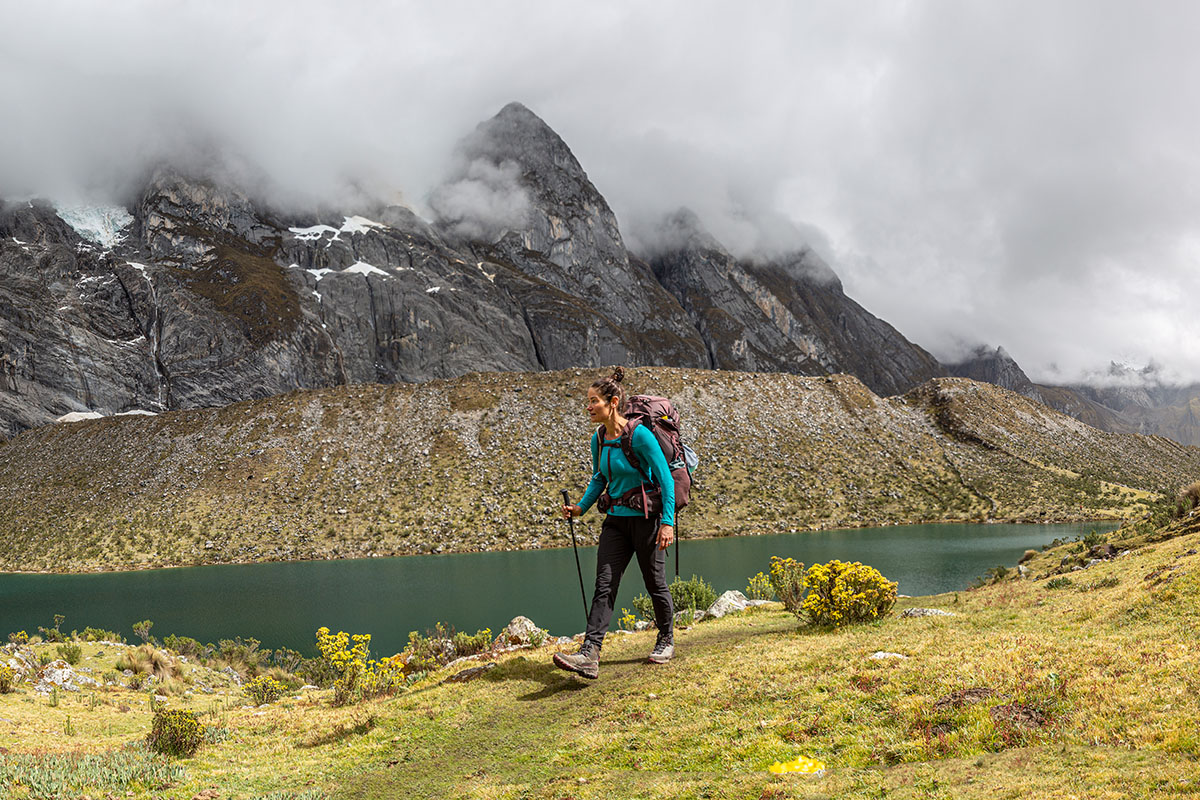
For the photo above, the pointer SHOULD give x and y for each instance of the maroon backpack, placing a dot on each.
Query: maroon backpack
(657, 414)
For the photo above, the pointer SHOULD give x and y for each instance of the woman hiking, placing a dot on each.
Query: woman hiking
(633, 502)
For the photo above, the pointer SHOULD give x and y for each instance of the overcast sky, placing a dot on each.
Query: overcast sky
(1024, 174)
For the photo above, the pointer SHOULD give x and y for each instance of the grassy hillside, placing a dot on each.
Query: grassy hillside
(477, 464)
(1033, 688)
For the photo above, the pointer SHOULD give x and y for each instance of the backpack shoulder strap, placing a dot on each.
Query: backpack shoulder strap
(627, 446)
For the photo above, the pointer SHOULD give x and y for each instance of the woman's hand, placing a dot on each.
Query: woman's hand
(666, 535)
(571, 511)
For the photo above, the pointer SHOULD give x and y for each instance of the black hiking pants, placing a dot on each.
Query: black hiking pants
(620, 539)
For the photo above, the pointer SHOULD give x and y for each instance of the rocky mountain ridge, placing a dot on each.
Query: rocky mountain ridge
(1135, 402)
(199, 295)
(477, 463)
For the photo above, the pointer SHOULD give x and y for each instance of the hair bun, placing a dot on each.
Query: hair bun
(618, 375)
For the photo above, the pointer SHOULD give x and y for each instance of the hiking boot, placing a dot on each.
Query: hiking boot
(664, 648)
(586, 662)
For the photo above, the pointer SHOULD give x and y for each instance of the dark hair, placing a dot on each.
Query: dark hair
(611, 387)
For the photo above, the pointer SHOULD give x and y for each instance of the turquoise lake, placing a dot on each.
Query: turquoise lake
(282, 604)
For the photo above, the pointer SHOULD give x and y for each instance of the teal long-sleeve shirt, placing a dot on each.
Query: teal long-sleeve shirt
(610, 468)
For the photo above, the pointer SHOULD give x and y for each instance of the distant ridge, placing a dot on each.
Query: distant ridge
(476, 463)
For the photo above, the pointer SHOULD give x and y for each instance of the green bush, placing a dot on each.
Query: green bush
(263, 689)
(759, 588)
(7, 676)
(840, 593)
(694, 594)
(185, 646)
(19, 637)
(1061, 582)
(644, 606)
(53, 634)
(787, 580)
(70, 652)
(101, 635)
(466, 644)
(142, 630)
(175, 733)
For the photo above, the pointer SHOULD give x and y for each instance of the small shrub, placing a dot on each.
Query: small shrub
(1094, 538)
(242, 655)
(111, 676)
(45, 657)
(101, 635)
(627, 621)
(53, 634)
(263, 690)
(142, 630)
(466, 644)
(759, 588)
(317, 671)
(644, 606)
(840, 593)
(175, 733)
(184, 646)
(695, 594)
(1061, 582)
(7, 676)
(70, 652)
(787, 580)
(19, 637)
(349, 662)
(1103, 583)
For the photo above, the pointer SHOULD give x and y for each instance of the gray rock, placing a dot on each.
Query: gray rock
(926, 612)
(882, 655)
(521, 631)
(60, 675)
(471, 673)
(727, 603)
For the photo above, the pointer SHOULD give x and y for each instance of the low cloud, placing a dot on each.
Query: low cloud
(1018, 174)
(484, 201)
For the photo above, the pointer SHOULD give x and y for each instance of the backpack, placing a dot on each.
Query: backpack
(657, 414)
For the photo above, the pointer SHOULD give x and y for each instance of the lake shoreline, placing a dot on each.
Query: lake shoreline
(833, 526)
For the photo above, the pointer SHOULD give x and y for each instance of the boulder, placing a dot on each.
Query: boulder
(727, 603)
(521, 631)
(60, 675)
(882, 655)
(926, 612)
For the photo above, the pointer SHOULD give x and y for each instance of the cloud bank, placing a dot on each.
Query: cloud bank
(1021, 174)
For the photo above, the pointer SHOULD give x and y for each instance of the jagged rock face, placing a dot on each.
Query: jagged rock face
(563, 237)
(199, 295)
(786, 314)
(996, 367)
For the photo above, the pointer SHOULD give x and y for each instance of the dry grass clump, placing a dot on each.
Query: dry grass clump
(1189, 497)
(147, 659)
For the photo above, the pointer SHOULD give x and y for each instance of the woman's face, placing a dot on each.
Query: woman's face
(598, 410)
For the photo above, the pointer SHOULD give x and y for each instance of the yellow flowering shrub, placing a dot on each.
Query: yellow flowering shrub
(6, 678)
(383, 676)
(348, 662)
(787, 579)
(840, 593)
(628, 620)
(263, 689)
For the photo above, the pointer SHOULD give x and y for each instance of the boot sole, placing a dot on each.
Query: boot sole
(577, 670)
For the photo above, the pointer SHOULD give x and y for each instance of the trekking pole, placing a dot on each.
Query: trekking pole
(575, 545)
(677, 545)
